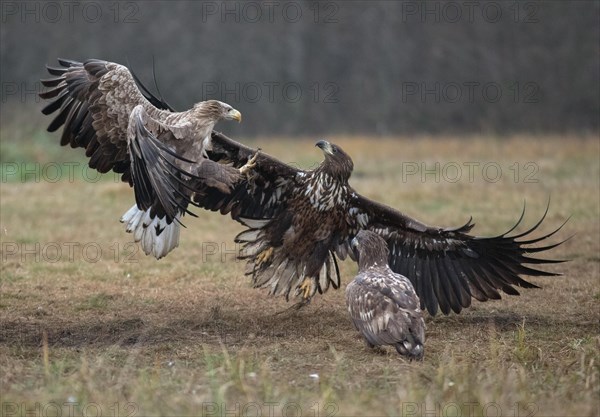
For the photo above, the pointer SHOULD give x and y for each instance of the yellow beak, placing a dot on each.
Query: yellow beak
(236, 115)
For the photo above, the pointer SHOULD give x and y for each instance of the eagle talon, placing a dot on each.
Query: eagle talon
(245, 170)
(263, 257)
(306, 289)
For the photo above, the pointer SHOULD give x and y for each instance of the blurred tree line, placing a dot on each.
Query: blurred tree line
(348, 67)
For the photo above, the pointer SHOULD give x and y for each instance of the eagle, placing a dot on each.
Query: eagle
(299, 222)
(130, 131)
(383, 305)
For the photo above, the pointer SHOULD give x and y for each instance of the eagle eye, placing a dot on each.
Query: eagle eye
(334, 149)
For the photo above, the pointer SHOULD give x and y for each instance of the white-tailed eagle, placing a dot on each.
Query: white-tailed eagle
(133, 133)
(382, 304)
(299, 221)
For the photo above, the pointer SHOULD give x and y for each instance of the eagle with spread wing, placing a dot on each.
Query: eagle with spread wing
(299, 222)
(382, 304)
(125, 128)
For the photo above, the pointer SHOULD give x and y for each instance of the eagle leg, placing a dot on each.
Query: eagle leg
(245, 170)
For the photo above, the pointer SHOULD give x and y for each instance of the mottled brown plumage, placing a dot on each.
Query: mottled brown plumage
(298, 240)
(299, 221)
(133, 133)
(382, 304)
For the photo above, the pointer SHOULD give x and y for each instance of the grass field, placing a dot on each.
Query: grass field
(86, 318)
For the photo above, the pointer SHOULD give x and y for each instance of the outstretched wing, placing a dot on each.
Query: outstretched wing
(93, 101)
(262, 196)
(102, 110)
(448, 266)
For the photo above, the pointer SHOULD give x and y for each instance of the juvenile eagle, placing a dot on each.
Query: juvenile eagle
(135, 134)
(382, 304)
(299, 221)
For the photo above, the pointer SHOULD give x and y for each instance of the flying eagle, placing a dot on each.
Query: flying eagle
(382, 304)
(133, 133)
(299, 222)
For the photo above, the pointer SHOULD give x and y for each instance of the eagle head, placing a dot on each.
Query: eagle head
(337, 163)
(370, 249)
(216, 110)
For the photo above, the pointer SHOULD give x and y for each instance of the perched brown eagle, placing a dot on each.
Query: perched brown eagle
(133, 133)
(382, 304)
(299, 221)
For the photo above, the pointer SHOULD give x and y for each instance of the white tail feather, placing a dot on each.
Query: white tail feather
(254, 223)
(144, 230)
(324, 276)
(250, 235)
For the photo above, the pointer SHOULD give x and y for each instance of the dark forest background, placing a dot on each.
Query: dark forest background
(352, 67)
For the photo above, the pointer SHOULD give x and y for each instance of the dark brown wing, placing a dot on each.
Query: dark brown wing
(447, 266)
(262, 196)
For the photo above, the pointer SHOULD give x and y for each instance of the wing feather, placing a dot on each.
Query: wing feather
(448, 266)
(262, 196)
(461, 286)
(159, 181)
(93, 101)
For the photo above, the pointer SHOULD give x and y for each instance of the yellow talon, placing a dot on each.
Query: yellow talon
(306, 288)
(264, 256)
(245, 170)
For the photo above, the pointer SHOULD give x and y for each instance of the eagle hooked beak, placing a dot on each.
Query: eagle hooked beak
(325, 146)
(235, 115)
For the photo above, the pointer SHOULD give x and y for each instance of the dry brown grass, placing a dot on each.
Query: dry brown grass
(186, 334)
